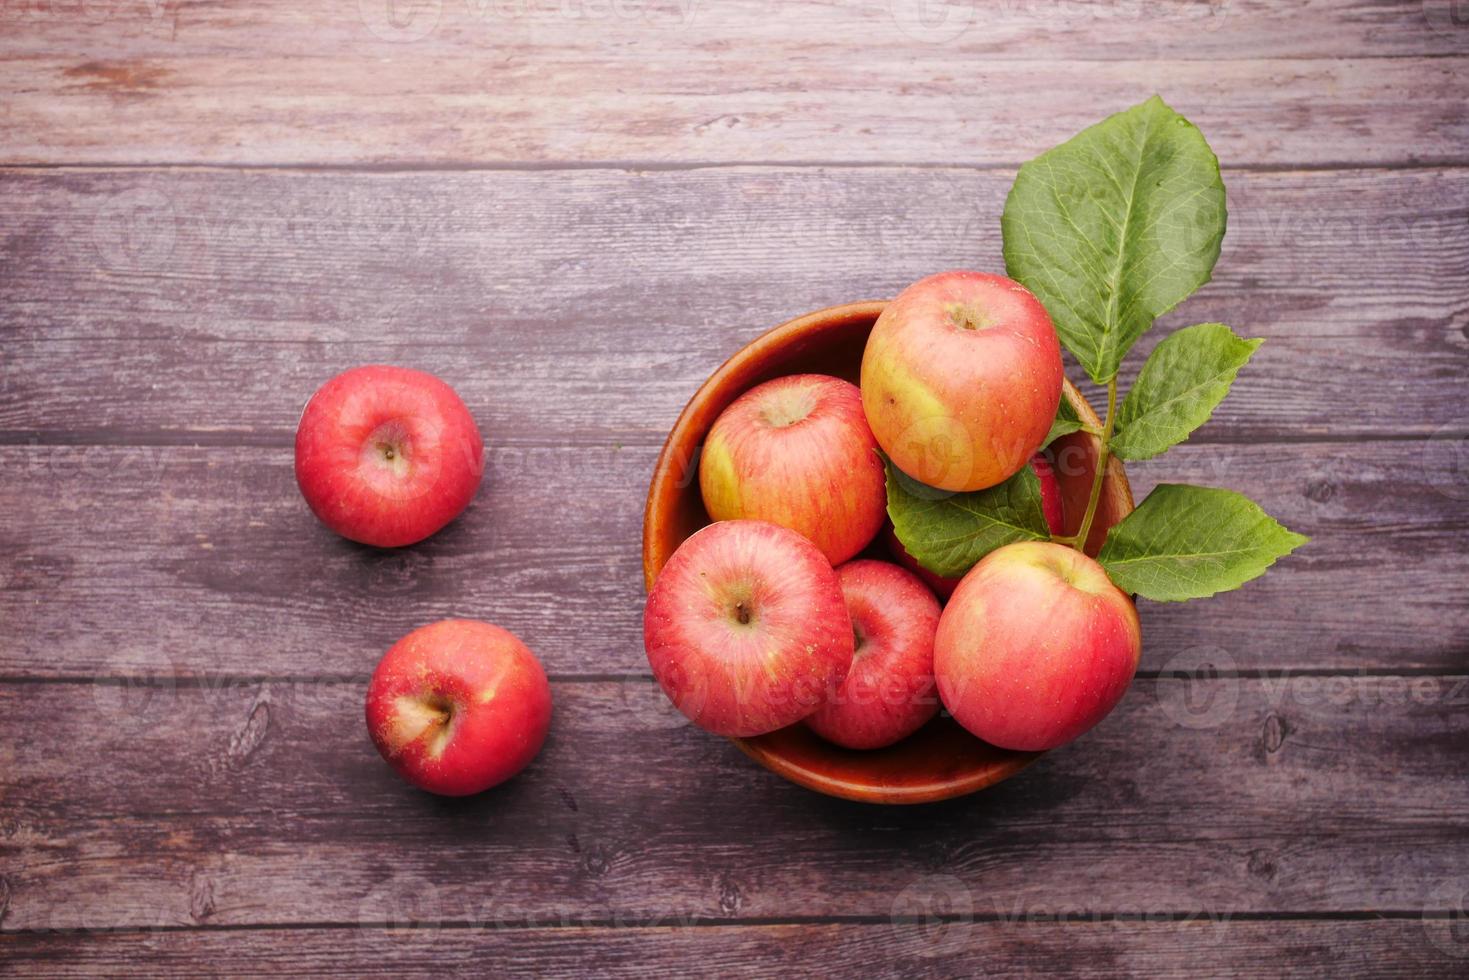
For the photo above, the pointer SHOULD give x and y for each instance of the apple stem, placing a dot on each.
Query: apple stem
(1104, 452)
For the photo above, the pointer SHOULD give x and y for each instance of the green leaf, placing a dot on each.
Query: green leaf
(1115, 227)
(1188, 542)
(1183, 381)
(948, 532)
(1065, 422)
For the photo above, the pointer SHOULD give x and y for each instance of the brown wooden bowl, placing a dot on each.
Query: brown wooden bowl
(941, 760)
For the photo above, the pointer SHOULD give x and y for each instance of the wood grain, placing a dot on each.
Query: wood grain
(817, 30)
(587, 306)
(681, 81)
(206, 562)
(253, 804)
(573, 211)
(1245, 949)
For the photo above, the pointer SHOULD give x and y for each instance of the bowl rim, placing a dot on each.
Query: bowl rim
(829, 318)
(662, 490)
(904, 795)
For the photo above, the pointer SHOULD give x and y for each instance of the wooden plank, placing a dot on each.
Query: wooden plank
(423, 111)
(680, 81)
(1379, 948)
(587, 306)
(173, 560)
(818, 30)
(242, 805)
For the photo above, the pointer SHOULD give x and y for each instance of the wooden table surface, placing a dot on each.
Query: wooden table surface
(573, 210)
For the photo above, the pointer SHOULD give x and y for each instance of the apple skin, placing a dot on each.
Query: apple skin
(961, 378)
(1035, 647)
(944, 587)
(458, 706)
(797, 452)
(386, 456)
(889, 692)
(746, 629)
(940, 585)
(1050, 493)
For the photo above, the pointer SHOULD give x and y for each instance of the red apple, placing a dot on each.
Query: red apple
(387, 455)
(746, 628)
(889, 692)
(944, 587)
(797, 452)
(1050, 493)
(458, 706)
(1035, 647)
(961, 378)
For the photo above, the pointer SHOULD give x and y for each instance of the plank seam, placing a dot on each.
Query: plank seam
(665, 166)
(214, 681)
(286, 440)
(663, 923)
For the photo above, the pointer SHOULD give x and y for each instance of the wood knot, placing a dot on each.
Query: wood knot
(1320, 491)
(117, 78)
(201, 898)
(1262, 865)
(398, 573)
(731, 899)
(1273, 734)
(596, 861)
(244, 742)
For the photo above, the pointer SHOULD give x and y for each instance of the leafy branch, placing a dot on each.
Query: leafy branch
(1104, 454)
(1110, 230)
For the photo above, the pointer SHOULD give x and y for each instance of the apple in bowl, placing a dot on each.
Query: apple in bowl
(387, 456)
(746, 629)
(941, 760)
(1035, 647)
(961, 378)
(796, 451)
(889, 692)
(458, 706)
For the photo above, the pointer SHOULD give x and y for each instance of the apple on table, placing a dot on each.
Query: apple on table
(458, 706)
(387, 456)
